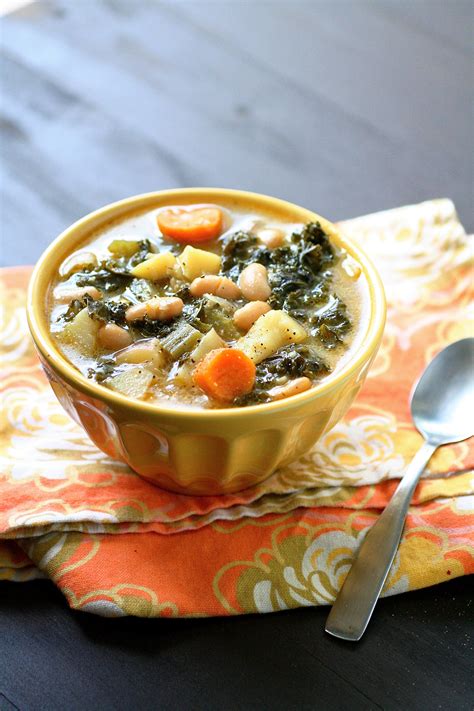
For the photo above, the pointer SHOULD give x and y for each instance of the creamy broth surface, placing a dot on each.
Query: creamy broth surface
(81, 322)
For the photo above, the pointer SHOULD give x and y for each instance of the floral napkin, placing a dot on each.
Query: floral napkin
(117, 545)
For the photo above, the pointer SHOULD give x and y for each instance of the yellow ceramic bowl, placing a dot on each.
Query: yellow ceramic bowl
(210, 451)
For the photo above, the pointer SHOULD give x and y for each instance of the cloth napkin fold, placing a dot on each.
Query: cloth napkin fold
(285, 543)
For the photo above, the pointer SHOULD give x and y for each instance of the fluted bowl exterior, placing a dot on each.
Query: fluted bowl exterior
(194, 451)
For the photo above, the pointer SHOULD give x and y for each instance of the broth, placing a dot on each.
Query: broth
(155, 328)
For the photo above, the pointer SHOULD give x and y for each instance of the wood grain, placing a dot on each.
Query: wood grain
(345, 106)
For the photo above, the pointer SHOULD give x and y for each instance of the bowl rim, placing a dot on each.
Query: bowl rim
(48, 349)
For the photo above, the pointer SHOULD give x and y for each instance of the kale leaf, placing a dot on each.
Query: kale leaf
(73, 309)
(194, 313)
(107, 310)
(144, 248)
(239, 250)
(113, 274)
(148, 328)
(300, 275)
(293, 361)
(142, 289)
(103, 279)
(330, 323)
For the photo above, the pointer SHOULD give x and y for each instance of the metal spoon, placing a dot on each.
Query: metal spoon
(441, 407)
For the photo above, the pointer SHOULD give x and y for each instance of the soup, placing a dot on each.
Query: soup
(208, 306)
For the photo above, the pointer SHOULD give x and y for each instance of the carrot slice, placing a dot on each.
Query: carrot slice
(224, 374)
(199, 224)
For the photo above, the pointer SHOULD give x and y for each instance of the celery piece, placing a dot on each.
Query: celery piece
(208, 343)
(220, 317)
(181, 340)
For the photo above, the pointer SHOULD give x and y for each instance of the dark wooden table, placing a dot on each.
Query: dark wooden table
(345, 107)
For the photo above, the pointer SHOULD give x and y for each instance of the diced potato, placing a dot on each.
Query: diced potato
(81, 333)
(269, 333)
(124, 247)
(146, 350)
(194, 263)
(133, 383)
(155, 267)
(208, 343)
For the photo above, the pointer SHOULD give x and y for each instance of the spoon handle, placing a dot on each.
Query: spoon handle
(358, 596)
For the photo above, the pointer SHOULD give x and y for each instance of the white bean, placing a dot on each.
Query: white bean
(145, 350)
(253, 282)
(65, 296)
(245, 317)
(271, 237)
(214, 284)
(159, 308)
(77, 261)
(114, 337)
(294, 387)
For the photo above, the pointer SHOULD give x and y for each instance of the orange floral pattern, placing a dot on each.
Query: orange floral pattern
(284, 543)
